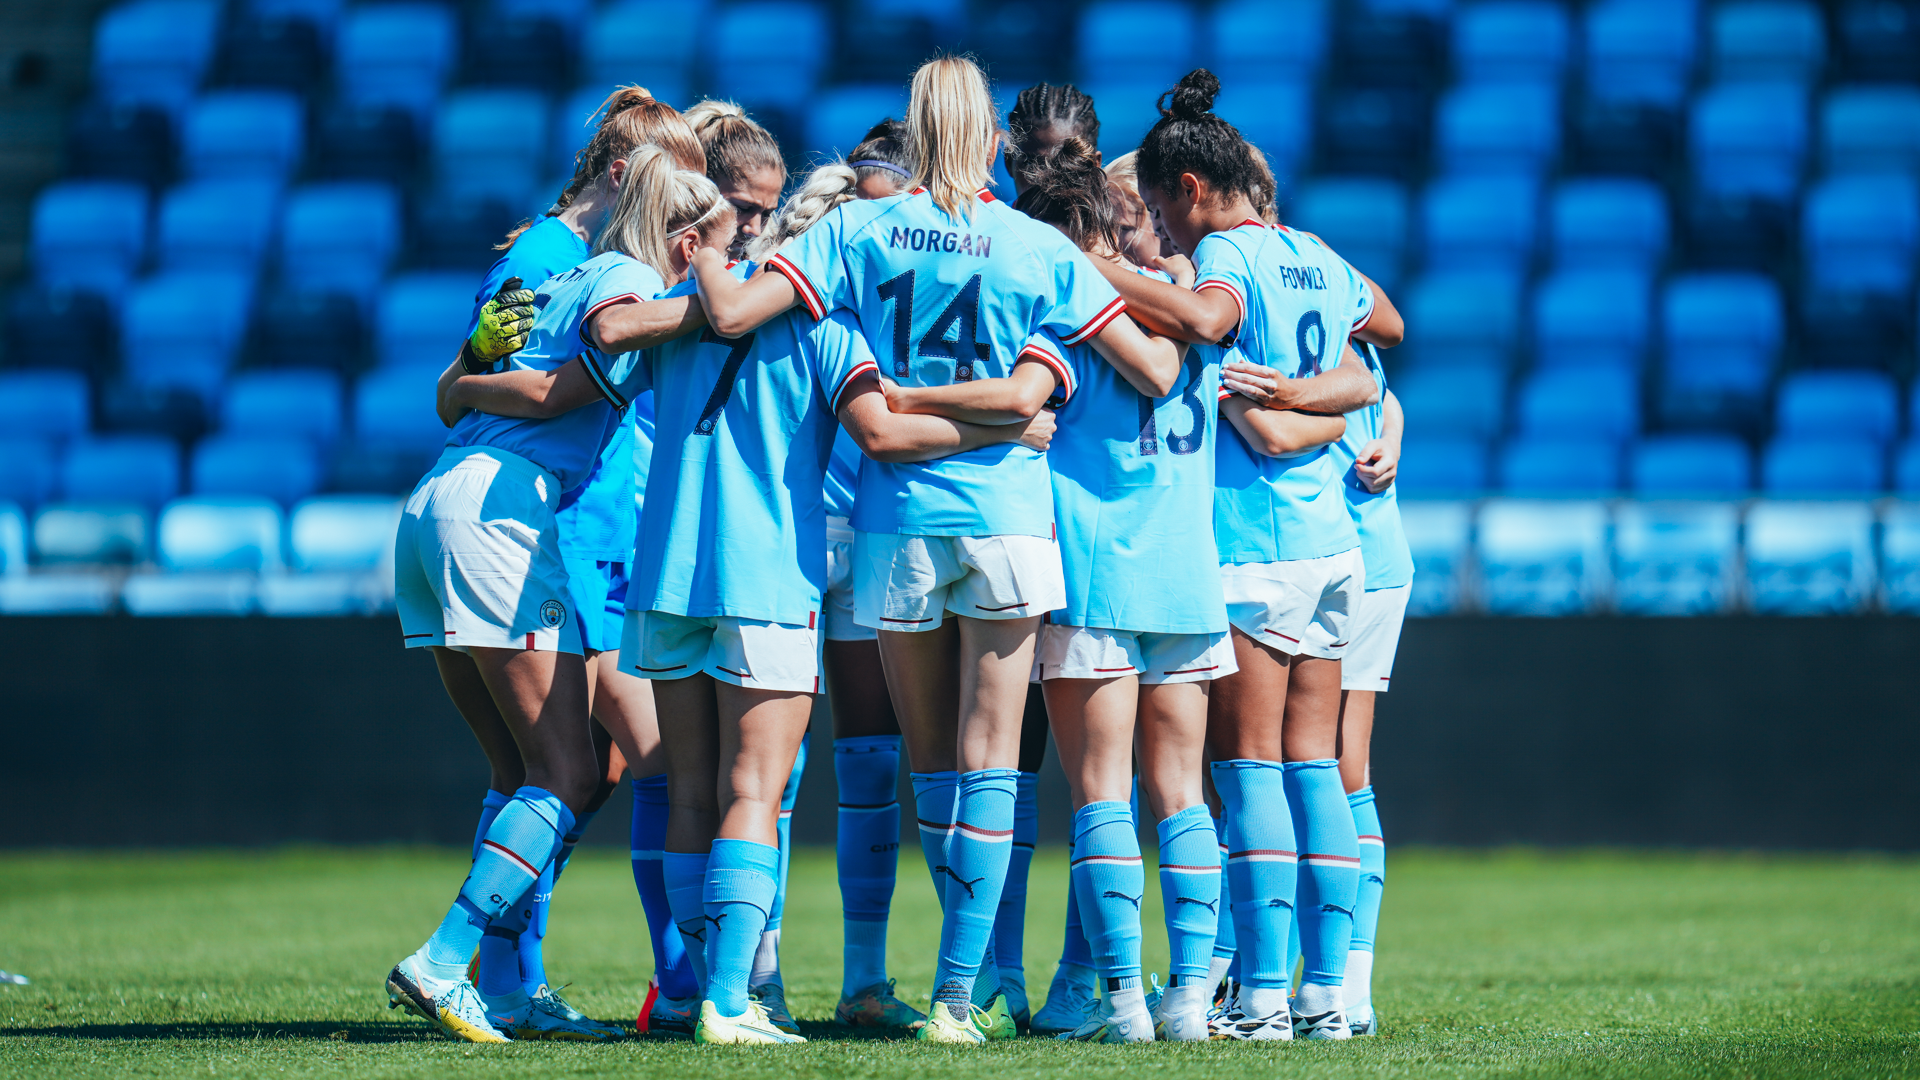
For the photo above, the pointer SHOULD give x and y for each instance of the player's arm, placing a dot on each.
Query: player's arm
(520, 393)
(1384, 327)
(1347, 387)
(885, 435)
(1275, 432)
(630, 325)
(1149, 362)
(1200, 317)
(1011, 400)
(735, 307)
(1379, 460)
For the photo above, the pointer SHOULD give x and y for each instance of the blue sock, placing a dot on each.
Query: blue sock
(1329, 867)
(1373, 868)
(1223, 937)
(742, 880)
(788, 796)
(686, 880)
(519, 844)
(1010, 922)
(1261, 864)
(498, 967)
(1293, 943)
(1111, 883)
(1189, 891)
(975, 866)
(933, 803)
(1073, 943)
(647, 838)
(533, 939)
(866, 853)
(490, 808)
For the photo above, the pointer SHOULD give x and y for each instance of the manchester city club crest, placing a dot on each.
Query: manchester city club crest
(553, 614)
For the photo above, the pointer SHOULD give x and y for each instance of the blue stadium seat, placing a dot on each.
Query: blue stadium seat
(244, 133)
(1453, 401)
(1467, 319)
(1275, 116)
(13, 540)
(1689, 466)
(1258, 41)
(340, 237)
(342, 546)
(1871, 129)
(1676, 558)
(44, 404)
(1860, 234)
(573, 16)
(278, 467)
(1511, 41)
(1560, 466)
(1440, 535)
(164, 349)
(1442, 466)
(29, 468)
(534, 53)
(1479, 222)
(1150, 42)
(309, 330)
(1721, 337)
(274, 52)
(1767, 39)
(121, 468)
(1543, 557)
(1906, 467)
(1809, 558)
(288, 404)
(397, 54)
(491, 144)
(221, 533)
(422, 318)
(1599, 403)
(323, 14)
(1592, 318)
(651, 42)
(769, 52)
(111, 532)
(155, 51)
(221, 225)
(368, 142)
(1833, 464)
(841, 116)
(1821, 404)
(394, 408)
(1640, 52)
(1615, 224)
(90, 234)
(1900, 557)
(1364, 219)
(1488, 128)
(120, 140)
(61, 327)
(1749, 139)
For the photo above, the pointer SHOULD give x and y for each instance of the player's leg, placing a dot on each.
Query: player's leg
(1224, 948)
(1010, 922)
(1074, 988)
(1365, 672)
(765, 981)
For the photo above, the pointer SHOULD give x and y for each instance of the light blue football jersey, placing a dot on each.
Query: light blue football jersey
(1299, 302)
(569, 445)
(843, 475)
(1133, 492)
(735, 520)
(1383, 542)
(942, 300)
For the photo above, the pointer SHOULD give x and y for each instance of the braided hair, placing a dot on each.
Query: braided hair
(826, 187)
(1041, 117)
(1189, 138)
(1067, 189)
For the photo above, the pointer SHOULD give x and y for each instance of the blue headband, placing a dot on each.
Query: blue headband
(875, 163)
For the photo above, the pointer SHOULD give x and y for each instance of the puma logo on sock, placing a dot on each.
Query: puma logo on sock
(1134, 900)
(1210, 905)
(962, 882)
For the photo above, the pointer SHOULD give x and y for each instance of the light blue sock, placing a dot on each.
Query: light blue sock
(490, 808)
(934, 795)
(498, 969)
(976, 869)
(788, 796)
(1373, 868)
(1189, 891)
(867, 853)
(519, 844)
(1261, 863)
(533, 939)
(1111, 884)
(647, 838)
(1010, 922)
(1223, 937)
(742, 880)
(1329, 867)
(1073, 943)
(686, 880)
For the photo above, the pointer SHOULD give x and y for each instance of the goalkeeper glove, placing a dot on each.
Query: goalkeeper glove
(502, 330)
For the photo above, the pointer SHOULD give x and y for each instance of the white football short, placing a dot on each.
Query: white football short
(838, 602)
(1373, 639)
(744, 652)
(1092, 652)
(1302, 607)
(477, 559)
(908, 583)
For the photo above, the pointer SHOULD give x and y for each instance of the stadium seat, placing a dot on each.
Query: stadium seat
(309, 330)
(1611, 224)
(340, 237)
(1828, 464)
(1440, 535)
(323, 15)
(44, 404)
(368, 142)
(1689, 467)
(394, 407)
(422, 318)
(768, 52)
(163, 348)
(1501, 130)
(1148, 42)
(90, 234)
(1676, 558)
(112, 532)
(1449, 400)
(397, 54)
(29, 468)
(1871, 129)
(1721, 337)
(1442, 466)
(284, 469)
(120, 140)
(491, 144)
(212, 548)
(1809, 558)
(1900, 557)
(572, 16)
(1906, 467)
(121, 468)
(61, 327)
(650, 42)
(1275, 116)
(1543, 557)
(342, 546)
(223, 225)
(1367, 130)
(841, 116)
(1592, 319)
(1479, 222)
(13, 540)
(1749, 139)
(1262, 41)
(1560, 466)
(255, 134)
(1877, 40)
(290, 403)
(1860, 234)
(155, 51)
(517, 51)
(1598, 403)
(1467, 319)
(1511, 42)
(1857, 404)
(1767, 39)
(1640, 52)
(1364, 219)
(272, 52)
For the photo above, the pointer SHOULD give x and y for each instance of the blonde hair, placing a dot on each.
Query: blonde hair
(659, 199)
(733, 146)
(826, 187)
(629, 119)
(1266, 190)
(1123, 177)
(951, 132)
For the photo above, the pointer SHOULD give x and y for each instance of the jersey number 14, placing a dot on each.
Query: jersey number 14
(965, 350)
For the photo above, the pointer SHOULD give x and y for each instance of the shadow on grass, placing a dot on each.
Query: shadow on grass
(352, 1032)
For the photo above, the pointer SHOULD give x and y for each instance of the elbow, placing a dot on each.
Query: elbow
(727, 324)
(1385, 337)
(1162, 384)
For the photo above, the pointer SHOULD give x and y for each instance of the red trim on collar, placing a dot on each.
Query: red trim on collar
(984, 195)
(1253, 222)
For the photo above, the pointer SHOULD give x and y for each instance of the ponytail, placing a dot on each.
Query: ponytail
(1189, 138)
(951, 132)
(732, 145)
(1044, 115)
(658, 200)
(629, 119)
(1067, 189)
(826, 187)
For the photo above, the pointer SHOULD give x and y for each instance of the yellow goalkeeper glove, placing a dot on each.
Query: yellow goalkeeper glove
(502, 330)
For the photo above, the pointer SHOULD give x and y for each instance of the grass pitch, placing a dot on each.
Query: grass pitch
(1508, 964)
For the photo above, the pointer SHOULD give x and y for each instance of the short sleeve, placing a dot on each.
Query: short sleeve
(621, 377)
(628, 280)
(1044, 347)
(1362, 299)
(816, 264)
(840, 355)
(1220, 264)
(1083, 300)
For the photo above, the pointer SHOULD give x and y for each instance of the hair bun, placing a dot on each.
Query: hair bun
(1193, 95)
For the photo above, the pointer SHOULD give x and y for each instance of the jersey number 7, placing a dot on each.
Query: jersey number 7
(737, 350)
(964, 308)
